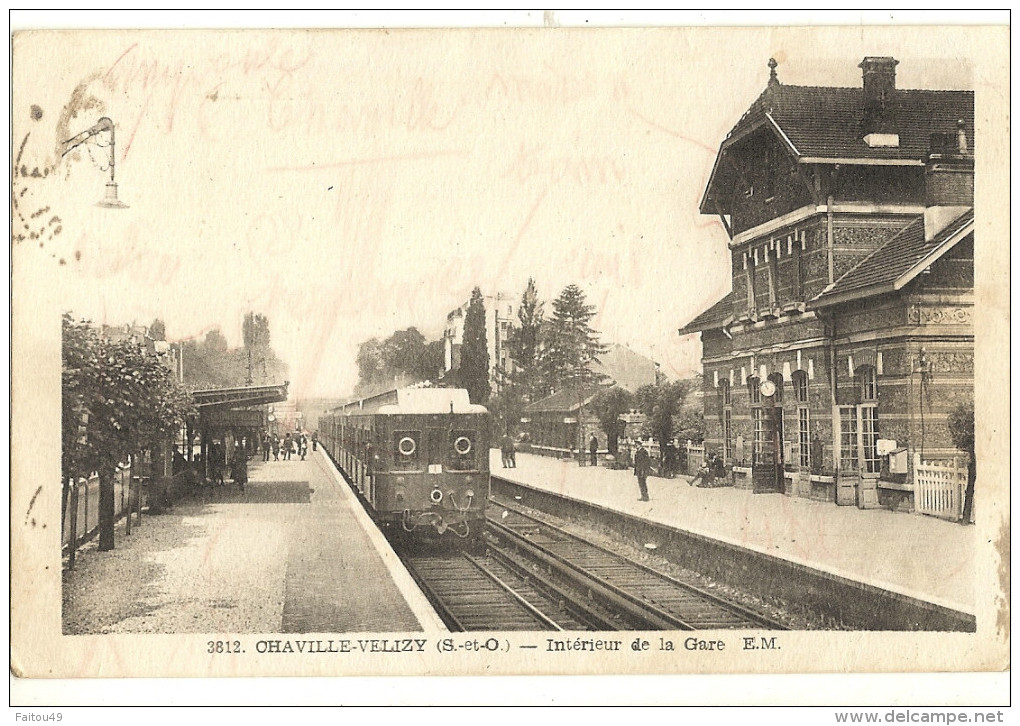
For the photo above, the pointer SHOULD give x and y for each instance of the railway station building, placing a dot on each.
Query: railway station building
(832, 365)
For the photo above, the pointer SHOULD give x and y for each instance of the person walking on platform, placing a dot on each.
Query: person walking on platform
(217, 463)
(669, 460)
(239, 467)
(287, 446)
(506, 447)
(276, 447)
(303, 446)
(267, 444)
(593, 450)
(642, 467)
(315, 440)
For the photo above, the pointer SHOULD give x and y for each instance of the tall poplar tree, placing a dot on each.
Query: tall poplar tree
(474, 352)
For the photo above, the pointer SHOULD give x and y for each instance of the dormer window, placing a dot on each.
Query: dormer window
(882, 141)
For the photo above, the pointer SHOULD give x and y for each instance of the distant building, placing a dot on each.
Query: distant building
(848, 335)
(557, 423)
(139, 335)
(500, 315)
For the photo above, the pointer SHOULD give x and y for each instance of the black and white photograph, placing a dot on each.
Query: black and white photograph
(511, 351)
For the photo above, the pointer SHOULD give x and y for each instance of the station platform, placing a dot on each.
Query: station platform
(921, 557)
(295, 552)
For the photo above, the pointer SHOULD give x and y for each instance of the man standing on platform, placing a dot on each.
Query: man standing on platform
(593, 450)
(642, 467)
(506, 447)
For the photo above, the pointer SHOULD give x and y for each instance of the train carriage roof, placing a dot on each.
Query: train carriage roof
(416, 401)
(432, 400)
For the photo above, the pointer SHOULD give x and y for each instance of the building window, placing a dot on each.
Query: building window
(800, 386)
(798, 266)
(870, 463)
(727, 434)
(754, 390)
(804, 436)
(869, 384)
(758, 416)
(726, 397)
(847, 439)
(773, 273)
(869, 438)
(749, 275)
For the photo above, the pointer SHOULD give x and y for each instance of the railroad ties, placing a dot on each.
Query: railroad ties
(535, 576)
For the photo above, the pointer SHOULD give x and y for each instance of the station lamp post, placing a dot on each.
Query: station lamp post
(109, 200)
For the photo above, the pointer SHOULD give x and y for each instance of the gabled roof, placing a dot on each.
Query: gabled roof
(565, 401)
(717, 316)
(820, 123)
(896, 263)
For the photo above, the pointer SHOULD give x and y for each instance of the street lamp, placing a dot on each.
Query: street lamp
(110, 200)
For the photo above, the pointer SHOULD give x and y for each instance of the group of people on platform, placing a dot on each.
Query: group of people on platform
(673, 460)
(295, 444)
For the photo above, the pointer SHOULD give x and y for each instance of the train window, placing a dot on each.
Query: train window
(406, 451)
(463, 454)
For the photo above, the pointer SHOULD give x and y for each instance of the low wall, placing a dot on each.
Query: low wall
(798, 587)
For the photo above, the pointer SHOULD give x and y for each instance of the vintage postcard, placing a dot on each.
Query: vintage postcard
(492, 351)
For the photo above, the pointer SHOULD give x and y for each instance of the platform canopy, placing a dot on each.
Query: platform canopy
(240, 397)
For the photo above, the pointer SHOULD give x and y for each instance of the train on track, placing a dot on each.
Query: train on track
(419, 458)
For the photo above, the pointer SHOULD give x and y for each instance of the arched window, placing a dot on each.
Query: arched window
(869, 383)
(800, 386)
(754, 390)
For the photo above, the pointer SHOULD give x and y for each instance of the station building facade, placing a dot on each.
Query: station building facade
(847, 336)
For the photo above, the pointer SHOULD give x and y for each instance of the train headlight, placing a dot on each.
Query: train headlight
(436, 496)
(407, 446)
(462, 445)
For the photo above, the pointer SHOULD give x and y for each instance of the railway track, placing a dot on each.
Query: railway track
(535, 576)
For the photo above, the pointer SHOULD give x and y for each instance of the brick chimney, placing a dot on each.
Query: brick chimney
(879, 113)
(948, 179)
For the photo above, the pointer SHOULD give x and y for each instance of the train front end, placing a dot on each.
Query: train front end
(430, 465)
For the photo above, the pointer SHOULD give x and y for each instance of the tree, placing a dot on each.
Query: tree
(402, 358)
(961, 429)
(570, 344)
(609, 406)
(212, 363)
(661, 403)
(117, 400)
(431, 363)
(474, 352)
(157, 331)
(524, 345)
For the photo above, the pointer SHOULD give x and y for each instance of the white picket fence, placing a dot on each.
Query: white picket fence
(938, 488)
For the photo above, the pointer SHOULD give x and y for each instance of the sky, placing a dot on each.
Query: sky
(351, 183)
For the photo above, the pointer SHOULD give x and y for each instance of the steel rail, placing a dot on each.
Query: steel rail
(618, 598)
(733, 607)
